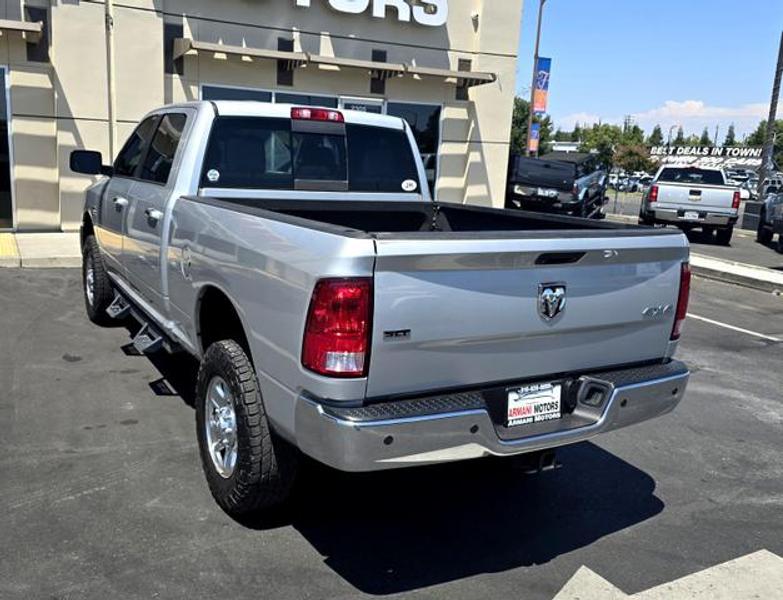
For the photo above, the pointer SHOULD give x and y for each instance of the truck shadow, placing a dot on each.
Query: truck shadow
(399, 531)
(403, 530)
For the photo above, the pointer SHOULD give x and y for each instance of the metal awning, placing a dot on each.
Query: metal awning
(383, 70)
(31, 31)
(184, 46)
(463, 78)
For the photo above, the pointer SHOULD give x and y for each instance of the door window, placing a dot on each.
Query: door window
(130, 156)
(160, 156)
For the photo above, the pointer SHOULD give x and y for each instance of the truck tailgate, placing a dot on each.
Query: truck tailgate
(460, 312)
(701, 197)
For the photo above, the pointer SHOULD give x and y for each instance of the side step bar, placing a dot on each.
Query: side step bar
(149, 339)
(119, 308)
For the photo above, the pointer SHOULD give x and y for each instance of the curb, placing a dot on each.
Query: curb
(51, 262)
(750, 276)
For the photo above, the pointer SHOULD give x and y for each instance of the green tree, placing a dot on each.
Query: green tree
(680, 139)
(759, 137)
(705, 139)
(576, 134)
(602, 138)
(731, 137)
(656, 137)
(519, 128)
(633, 135)
(692, 140)
(632, 157)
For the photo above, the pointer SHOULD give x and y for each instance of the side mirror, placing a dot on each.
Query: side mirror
(88, 162)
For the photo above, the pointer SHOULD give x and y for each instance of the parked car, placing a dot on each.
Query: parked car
(560, 182)
(338, 312)
(691, 197)
(771, 218)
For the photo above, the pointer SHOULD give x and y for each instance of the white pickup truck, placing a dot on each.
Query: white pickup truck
(338, 312)
(692, 197)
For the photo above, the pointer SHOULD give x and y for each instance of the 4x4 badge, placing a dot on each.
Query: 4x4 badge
(551, 299)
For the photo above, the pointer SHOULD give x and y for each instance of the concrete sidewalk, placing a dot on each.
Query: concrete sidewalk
(40, 250)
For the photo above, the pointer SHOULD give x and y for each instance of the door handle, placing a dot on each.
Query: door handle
(120, 203)
(153, 214)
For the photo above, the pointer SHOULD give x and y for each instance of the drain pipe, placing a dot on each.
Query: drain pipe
(111, 85)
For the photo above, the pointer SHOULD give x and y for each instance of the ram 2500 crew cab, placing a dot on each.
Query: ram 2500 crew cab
(340, 313)
(692, 197)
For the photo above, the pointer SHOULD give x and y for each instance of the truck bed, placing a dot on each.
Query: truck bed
(393, 219)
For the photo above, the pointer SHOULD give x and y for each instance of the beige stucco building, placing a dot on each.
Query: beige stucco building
(81, 74)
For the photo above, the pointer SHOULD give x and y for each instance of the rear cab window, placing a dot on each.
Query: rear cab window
(268, 153)
(693, 176)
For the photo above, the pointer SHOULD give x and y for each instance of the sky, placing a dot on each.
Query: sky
(695, 63)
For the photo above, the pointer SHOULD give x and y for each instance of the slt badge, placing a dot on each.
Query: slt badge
(551, 299)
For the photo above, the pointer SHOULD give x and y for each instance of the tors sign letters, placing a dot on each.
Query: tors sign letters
(432, 13)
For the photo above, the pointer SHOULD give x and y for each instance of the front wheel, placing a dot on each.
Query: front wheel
(96, 285)
(248, 468)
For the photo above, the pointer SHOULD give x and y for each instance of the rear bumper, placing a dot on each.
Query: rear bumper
(459, 426)
(673, 215)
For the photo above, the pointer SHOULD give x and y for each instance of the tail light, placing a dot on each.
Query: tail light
(337, 334)
(303, 113)
(652, 196)
(682, 301)
(735, 202)
(575, 191)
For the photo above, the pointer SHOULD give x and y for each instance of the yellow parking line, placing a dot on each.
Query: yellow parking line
(8, 248)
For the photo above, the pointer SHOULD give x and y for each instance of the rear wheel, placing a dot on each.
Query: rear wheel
(723, 236)
(763, 235)
(96, 285)
(247, 466)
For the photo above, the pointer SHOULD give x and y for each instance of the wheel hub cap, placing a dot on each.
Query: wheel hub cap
(220, 425)
(89, 283)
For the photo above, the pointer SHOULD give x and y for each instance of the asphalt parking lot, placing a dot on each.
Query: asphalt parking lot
(103, 494)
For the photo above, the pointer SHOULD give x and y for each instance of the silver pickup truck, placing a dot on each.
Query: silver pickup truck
(692, 197)
(340, 313)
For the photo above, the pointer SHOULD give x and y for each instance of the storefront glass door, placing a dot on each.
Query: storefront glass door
(6, 197)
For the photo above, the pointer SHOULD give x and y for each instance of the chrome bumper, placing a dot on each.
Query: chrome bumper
(352, 440)
(705, 218)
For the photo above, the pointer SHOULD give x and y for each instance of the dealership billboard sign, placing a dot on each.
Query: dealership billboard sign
(726, 157)
(432, 13)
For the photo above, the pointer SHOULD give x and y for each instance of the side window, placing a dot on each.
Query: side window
(130, 155)
(160, 157)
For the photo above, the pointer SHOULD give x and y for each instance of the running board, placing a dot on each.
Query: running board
(147, 340)
(119, 308)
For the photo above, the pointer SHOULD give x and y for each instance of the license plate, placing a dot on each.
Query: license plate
(546, 193)
(691, 215)
(533, 404)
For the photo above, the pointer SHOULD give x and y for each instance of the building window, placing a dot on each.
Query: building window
(172, 66)
(6, 198)
(214, 92)
(305, 99)
(424, 121)
(38, 52)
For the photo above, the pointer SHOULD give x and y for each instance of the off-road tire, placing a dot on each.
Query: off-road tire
(266, 465)
(763, 235)
(723, 236)
(103, 293)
